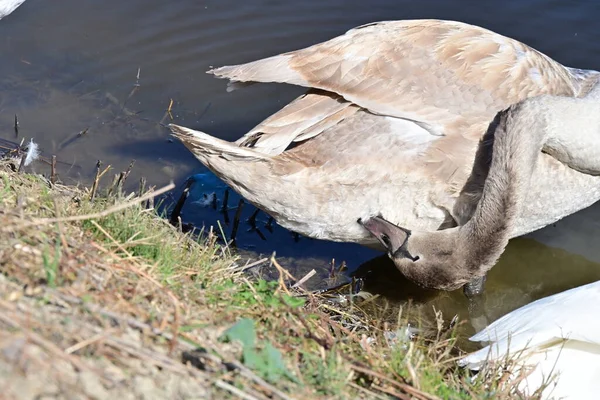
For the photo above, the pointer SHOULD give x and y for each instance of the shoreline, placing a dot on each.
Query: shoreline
(102, 297)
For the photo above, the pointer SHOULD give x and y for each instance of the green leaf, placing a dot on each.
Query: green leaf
(292, 301)
(267, 362)
(276, 364)
(243, 331)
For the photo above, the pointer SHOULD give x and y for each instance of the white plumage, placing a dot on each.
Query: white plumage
(8, 6)
(557, 338)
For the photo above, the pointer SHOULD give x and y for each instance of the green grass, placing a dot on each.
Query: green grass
(51, 263)
(135, 264)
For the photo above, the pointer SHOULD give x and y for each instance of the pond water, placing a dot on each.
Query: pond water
(69, 70)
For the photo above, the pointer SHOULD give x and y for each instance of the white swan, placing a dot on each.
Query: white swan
(558, 337)
(8, 6)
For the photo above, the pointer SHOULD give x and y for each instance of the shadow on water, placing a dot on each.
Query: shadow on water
(527, 271)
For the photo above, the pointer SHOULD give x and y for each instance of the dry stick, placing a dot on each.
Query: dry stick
(252, 391)
(282, 271)
(113, 185)
(245, 371)
(16, 125)
(53, 170)
(205, 110)
(236, 220)
(304, 279)
(150, 202)
(166, 114)
(123, 176)
(22, 163)
(61, 232)
(153, 357)
(169, 109)
(83, 132)
(100, 214)
(254, 264)
(87, 342)
(225, 200)
(366, 391)
(233, 390)
(391, 392)
(135, 88)
(174, 219)
(142, 186)
(96, 181)
(326, 343)
(403, 386)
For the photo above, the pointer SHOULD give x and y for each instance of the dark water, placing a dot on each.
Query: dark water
(71, 65)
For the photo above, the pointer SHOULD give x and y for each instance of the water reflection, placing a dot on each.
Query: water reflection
(527, 271)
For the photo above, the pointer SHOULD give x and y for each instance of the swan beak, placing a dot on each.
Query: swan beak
(393, 237)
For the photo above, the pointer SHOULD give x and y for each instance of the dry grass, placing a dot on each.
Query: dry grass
(104, 298)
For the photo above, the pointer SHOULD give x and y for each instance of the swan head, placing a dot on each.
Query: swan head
(430, 259)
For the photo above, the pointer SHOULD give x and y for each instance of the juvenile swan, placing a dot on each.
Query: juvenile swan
(556, 340)
(390, 126)
(449, 258)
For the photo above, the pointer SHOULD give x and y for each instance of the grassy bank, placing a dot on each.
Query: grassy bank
(102, 298)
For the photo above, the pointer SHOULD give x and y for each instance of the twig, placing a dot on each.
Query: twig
(124, 175)
(324, 343)
(254, 264)
(174, 219)
(225, 200)
(142, 186)
(366, 391)
(233, 390)
(205, 110)
(83, 132)
(87, 342)
(252, 376)
(402, 386)
(391, 392)
(100, 214)
(53, 170)
(155, 358)
(96, 181)
(113, 185)
(236, 220)
(22, 163)
(169, 109)
(304, 279)
(282, 271)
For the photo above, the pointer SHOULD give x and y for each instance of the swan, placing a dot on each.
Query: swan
(555, 339)
(515, 183)
(8, 6)
(390, 126)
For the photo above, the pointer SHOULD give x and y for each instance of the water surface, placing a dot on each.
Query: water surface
(70, 66)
